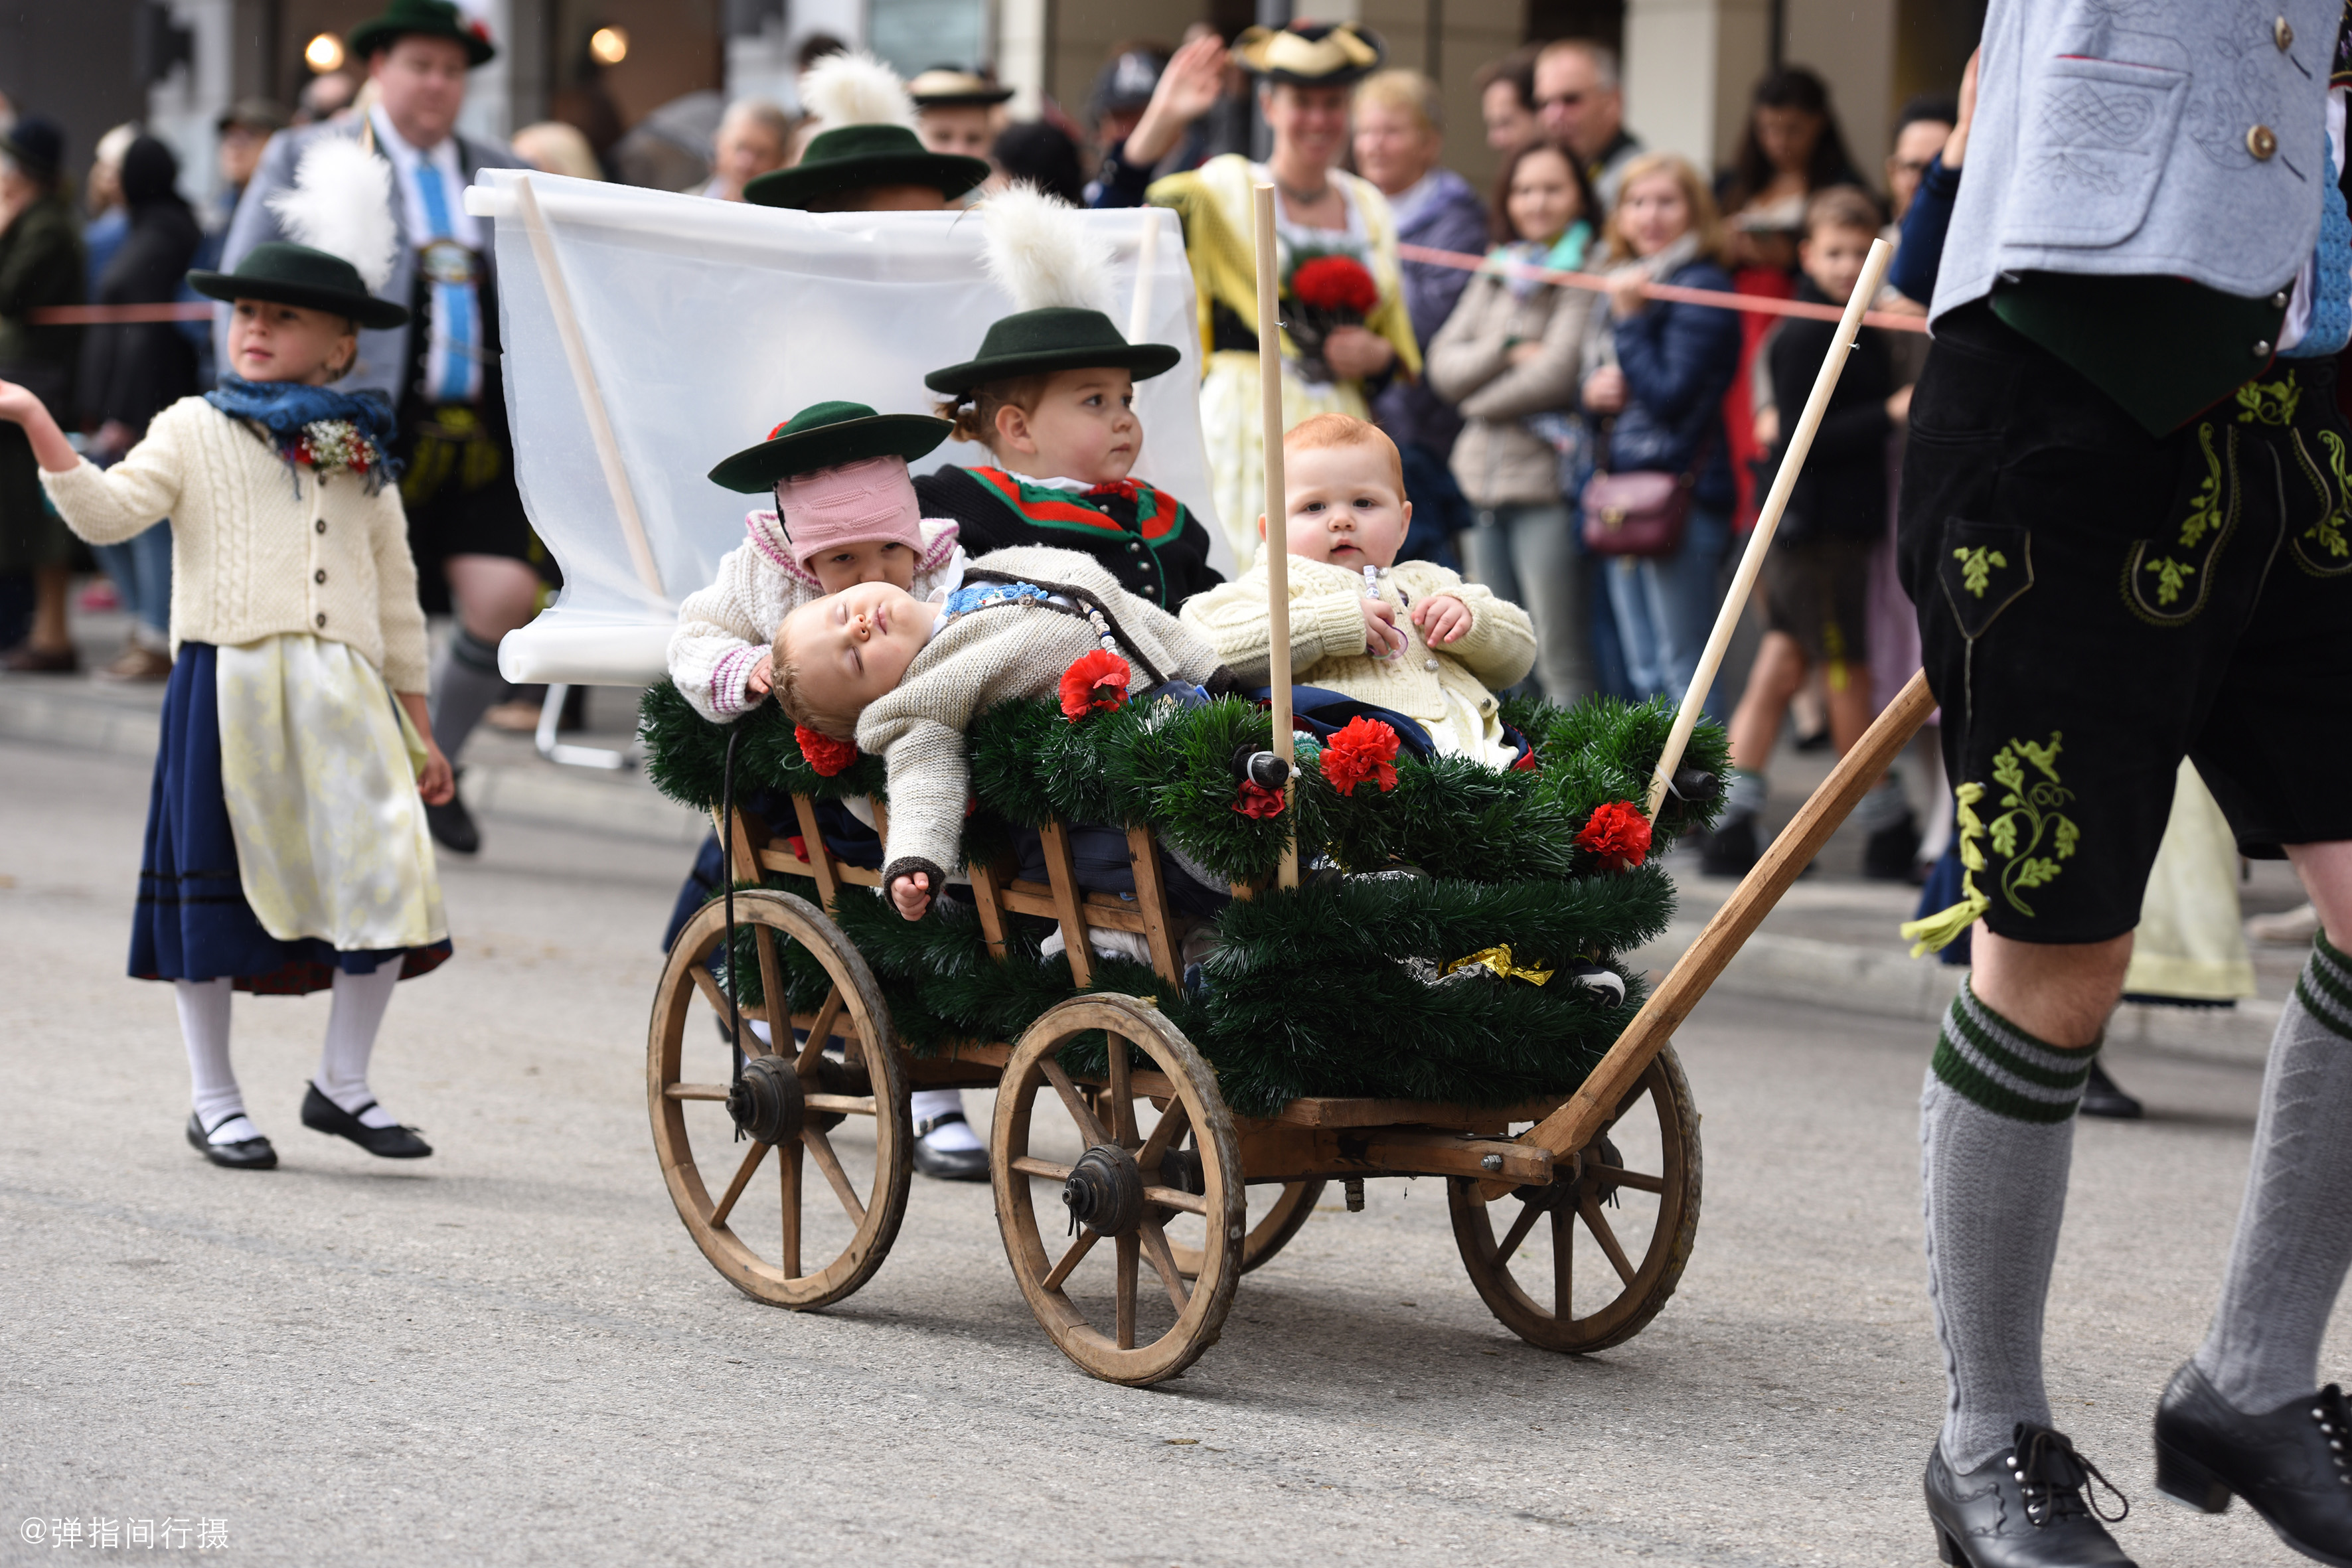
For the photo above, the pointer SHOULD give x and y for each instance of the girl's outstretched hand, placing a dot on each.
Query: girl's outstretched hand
(16, 403)
(437, 783)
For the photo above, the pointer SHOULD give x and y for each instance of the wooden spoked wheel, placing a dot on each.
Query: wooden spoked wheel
(1090, 1155)
(1276, 1215)
(807, 1206)
(1586, 1262)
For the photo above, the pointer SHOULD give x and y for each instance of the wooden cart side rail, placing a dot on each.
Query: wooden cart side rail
(1574, 1124)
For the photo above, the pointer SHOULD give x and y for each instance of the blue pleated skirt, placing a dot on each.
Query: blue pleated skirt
(193, 921)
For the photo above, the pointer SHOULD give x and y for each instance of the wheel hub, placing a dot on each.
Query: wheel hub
(1104, 1190)
(1568, 1186)
(767, 1102)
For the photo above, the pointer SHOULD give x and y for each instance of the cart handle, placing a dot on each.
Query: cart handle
(1575, 1124)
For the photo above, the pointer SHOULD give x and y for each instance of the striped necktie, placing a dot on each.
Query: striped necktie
(453, 368)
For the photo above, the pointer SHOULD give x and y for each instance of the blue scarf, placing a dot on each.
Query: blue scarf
(284, 407)
(1565, 253)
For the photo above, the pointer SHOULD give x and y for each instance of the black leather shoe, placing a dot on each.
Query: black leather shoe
(1731, 848)
(2291, 1465)
(245, 1154)
(2102, 1098)
(2024, 1507)
(324, 1115)
(948, 1165)
(452, 827)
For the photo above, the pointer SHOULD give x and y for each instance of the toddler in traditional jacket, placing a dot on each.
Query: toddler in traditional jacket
(1413, 637)
(905, 678)
(845, 513)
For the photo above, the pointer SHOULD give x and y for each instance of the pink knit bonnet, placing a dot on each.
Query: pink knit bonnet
(866, 502)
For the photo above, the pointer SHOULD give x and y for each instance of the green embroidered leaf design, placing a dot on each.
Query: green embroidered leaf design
(1977, 567)
(2031, 873)
(2004, 834)
(2042, 757)
(2205, 507)
(2065, 838)
(2170, 575)
(2006, 772)
(2031, 819)
(2271, 402)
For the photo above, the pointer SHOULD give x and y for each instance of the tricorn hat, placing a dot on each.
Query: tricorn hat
(1311, 54)
(423, 19)
(825, 436)
(947, 87)
(298, 275)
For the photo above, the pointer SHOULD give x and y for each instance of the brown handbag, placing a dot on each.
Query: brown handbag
(1643, 512)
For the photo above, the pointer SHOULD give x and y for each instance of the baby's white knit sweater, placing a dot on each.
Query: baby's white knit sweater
(723, 630)
(258, 548)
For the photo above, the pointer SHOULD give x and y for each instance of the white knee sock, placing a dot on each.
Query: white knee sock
(927, 1103)
(360, 1002)
(218, 1103)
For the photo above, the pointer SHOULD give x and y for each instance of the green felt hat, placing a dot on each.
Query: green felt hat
(423, 19)
(1036, 343)
(298, 275)
(825, 436)
(850, 157)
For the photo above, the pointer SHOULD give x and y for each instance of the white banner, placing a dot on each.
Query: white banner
(701, 325)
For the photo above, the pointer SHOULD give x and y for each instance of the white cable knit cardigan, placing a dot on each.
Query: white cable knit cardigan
(723, 630)
(993, 655)
(1327, 637)
(258, 548)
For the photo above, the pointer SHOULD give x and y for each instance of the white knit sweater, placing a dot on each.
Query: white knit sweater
(258, 548)
(1327, 641)
(723, 630)
(993, 655)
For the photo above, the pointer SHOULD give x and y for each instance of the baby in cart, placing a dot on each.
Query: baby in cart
(1413, 638)
(845, 513)
(905, 678)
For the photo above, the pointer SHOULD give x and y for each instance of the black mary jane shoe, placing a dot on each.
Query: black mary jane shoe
(2291, 1465)
(245, 1154)
(948, 1165)
(452, 827)
(2102, 1098)
(324, 1115)
(2027, 1507)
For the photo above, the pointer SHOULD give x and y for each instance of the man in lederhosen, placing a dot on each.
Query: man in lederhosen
(2126, 522)
(475, 551)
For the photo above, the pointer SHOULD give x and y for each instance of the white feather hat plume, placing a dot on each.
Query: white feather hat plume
(855, 88)
(1042, 251)
(341, 203)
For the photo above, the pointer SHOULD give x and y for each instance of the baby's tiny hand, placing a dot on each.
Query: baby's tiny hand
(1442, 617)
(763, 674)
(1383, 636)
(911, 894)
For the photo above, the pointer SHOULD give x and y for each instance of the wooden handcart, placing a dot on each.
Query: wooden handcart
(1574, 1230)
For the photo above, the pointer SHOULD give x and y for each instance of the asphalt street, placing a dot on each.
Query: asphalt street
(510, 1353)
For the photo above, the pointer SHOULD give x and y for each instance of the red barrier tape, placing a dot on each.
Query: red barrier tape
(120, 315)
(1756, 304)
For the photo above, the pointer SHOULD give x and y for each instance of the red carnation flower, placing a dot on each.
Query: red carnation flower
(1335, 283)
(823, 753)
(1619, 833)
(1097, 683)
(1254, 799)
(1365, 748)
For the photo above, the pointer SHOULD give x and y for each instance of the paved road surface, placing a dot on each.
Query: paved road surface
(511, 1354)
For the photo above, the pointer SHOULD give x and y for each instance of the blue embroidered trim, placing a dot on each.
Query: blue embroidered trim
(963, 601)
(2331, 310)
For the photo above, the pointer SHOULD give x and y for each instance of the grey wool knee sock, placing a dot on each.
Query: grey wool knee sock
(1996, 1138)
(466, 684)
(2294, 1228)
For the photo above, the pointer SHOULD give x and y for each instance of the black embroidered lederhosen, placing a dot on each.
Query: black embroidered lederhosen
(2096, 603)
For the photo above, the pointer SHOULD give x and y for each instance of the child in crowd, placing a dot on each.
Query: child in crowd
(904, 678)
(1816, 579)
(1052, 395)
(845, 513)
(1412, 638)
(285, 847)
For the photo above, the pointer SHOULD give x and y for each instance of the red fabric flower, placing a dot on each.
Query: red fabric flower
(1254, 799)
(1619, 833)
(1365, 748)
(1097, 683)
(823, 753)
(1335, 283)
(800, 847)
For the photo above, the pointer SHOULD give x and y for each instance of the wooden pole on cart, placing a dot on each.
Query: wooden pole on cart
(591, 397)
(1768, 522)
(1278, 558)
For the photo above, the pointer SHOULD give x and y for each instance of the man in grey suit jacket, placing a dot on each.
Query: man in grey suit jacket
(474, 546)
(2125, 496)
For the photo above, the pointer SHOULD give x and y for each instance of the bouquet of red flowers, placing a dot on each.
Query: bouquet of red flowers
(1326, 290)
